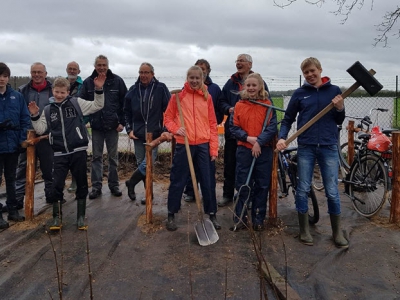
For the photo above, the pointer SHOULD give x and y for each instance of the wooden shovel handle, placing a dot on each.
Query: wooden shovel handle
(323, 112)
(190, 161)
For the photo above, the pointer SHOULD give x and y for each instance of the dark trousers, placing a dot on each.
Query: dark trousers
(8, 163)
(180, 172)
(76, 162)
(44, 153)
(189, 185)
(229, 167)
(261, 174)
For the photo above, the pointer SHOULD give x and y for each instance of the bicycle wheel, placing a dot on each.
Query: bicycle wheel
(317, 178)
(313, 208)
(368, 188)
(343, 155)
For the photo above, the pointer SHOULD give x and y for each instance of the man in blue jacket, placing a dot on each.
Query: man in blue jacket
(317, 143)
(229, 97)
(144, 107)
(14, 122)
(38, 89)
(106, 125)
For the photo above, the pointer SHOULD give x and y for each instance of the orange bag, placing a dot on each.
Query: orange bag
(378, 141)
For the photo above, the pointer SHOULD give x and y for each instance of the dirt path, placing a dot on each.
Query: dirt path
(133, 260)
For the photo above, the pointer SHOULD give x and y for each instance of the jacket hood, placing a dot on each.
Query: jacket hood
(326, 81)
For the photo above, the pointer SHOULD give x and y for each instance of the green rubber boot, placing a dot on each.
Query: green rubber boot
(337, 233)
(305, 236)
(72, 187)
(57, 213)
(81, 214)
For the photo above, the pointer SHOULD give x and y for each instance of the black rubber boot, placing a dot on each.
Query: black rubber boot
(337, 233)
(81, 214)
(136, 177)
(171, 226)
(3, 223)
(305, 236)
(13, 214)
(213, 219)
(57, 216)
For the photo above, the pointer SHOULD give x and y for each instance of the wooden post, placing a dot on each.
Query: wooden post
(395, 204)
(30, 177)
(149, 180)
(350, 142)
(273, 189)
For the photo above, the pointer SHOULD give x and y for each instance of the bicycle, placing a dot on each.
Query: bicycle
(344, 167)
(287, 169)
(362, 126)
(368, 183)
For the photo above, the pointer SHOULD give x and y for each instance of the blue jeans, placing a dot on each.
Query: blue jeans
(140, 154)
(110, 137)
(328, 161)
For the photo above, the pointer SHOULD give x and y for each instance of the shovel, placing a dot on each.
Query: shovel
(204, 228)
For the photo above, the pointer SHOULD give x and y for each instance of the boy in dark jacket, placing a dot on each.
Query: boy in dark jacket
(317, 143)
(68, 137)
(14, 122)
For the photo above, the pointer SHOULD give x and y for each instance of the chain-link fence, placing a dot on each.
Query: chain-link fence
(281, 89)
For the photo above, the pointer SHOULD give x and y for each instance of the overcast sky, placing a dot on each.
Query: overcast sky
(173, 34)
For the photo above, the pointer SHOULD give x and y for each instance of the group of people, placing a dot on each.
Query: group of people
(63, 108)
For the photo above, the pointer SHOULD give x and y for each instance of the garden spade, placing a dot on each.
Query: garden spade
(204, 228)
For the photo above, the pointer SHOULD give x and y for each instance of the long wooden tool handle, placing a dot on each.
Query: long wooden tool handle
(189, 156)
(323, 112)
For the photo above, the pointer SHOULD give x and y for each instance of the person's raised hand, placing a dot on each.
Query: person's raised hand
(33, 108)
(99, 81)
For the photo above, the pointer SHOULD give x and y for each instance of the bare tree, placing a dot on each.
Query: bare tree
(344, 7)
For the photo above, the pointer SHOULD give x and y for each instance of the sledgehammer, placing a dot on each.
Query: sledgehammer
(363, 78)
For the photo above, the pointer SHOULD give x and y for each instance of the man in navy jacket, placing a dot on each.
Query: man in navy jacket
(106, 125)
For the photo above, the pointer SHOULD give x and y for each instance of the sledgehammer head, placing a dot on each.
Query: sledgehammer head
(365, 78)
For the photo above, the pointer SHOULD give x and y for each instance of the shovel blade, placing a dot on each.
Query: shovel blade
(205, 232)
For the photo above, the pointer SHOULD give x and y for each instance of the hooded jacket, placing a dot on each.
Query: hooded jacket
(13, 108)
(248, 120)
(144, 110)
(112, 114)
(76, 87)
(306, 102)
(230, 96)
(199, 118)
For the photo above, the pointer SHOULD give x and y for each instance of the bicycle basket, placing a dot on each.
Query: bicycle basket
(378, 141)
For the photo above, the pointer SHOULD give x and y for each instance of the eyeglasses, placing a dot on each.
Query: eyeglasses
(240, 61)
(37, 72)
(144, 72)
